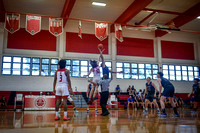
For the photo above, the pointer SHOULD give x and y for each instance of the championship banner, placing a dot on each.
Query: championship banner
(33, 24)
(12, 23)
(79, 30)
(101, 31)
(56, 26)
(118, 33)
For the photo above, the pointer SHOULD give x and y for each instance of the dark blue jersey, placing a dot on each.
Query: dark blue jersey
(165, 83)
(105, 70)
(196, 89)
(150, 88)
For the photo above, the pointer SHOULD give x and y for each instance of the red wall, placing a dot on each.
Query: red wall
(136, 47)
(21, 39)
(177, 50)
(88, 43)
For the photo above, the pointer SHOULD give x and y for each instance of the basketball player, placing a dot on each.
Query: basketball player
(96, 78)
(196, 92)
(151, 95)
(95, 98)
(168, 92)
(63, 82)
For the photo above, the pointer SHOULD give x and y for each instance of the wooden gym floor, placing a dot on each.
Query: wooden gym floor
(119, 121)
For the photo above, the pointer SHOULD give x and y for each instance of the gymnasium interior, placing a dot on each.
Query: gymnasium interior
(142, 38)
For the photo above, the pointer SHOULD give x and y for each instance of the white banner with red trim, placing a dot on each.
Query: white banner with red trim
(56, 26)
(33, 24)
(118, 32)
(101, 31)
(12, 23)
(79, 30)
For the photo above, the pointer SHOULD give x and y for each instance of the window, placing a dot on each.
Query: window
(26, 66)
(84, 68)
(75, 68)
(119, 68)
(6, 67)
(155, 70)
(35, 66)
(16, 68)
(54, 66)
(109, 65)
(180, 73)
(45, 67)
(134, 70)
(141, 71)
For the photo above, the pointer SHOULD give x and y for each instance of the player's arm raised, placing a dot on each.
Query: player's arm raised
(88, 73)
(54, 83)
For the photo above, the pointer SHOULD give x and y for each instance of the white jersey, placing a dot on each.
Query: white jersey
(62, 84)
(96, 72)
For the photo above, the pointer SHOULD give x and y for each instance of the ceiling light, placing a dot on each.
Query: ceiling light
(198, 17)
(98, 4)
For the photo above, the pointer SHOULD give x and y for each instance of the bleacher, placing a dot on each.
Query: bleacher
(80, 102)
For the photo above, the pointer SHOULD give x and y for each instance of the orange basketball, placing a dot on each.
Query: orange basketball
(100, 46)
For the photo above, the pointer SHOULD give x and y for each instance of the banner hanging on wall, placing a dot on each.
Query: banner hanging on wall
(33, 24)
(118, 32)
(101, 31)
(56, 26)
(79, 30)
(12, 23)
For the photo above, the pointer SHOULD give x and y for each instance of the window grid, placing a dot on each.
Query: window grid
(6, 65)
(53, 66)
(180, 72)
(45, 66)
(35, 66)
(26, 66)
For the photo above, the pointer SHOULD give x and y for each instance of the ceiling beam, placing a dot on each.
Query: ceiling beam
(147, 17)
(131, 11)
(69, 4)
(189, 15)
(162, 11)
(2, 11)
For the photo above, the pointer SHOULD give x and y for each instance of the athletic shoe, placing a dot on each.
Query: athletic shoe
(158, 111)
(96, 111)
(175, 115)
(76, 111)
(66, 118)
(57, 118)
(105, 114)
(87, 111)
(163, 115)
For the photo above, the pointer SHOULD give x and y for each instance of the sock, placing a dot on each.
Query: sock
(74, 108)
(163, 110)
(88, 109)
(96, 109)
(146, 109)
(56, 113)
(65, 113)
(158, 109)
(59, 109)
(175, 110)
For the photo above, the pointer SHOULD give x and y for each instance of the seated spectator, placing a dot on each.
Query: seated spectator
(3, 101)
(140, 101)
(140, 93)
(117, 90)
(130, 101)
(180, 102)
(128, 89)
(134, 90)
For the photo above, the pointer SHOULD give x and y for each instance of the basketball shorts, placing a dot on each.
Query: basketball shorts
(62, 91)
(96, 79)
(150, 97)
(168, 92)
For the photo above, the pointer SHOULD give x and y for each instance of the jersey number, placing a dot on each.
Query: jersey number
(60, 80)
